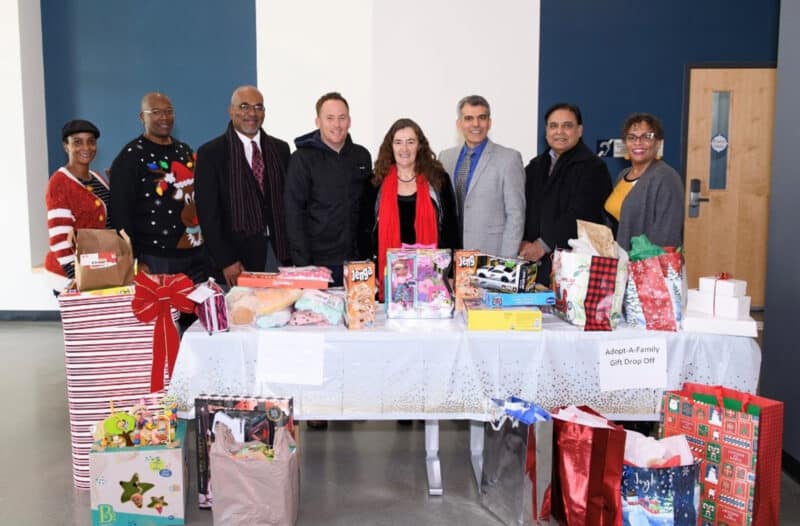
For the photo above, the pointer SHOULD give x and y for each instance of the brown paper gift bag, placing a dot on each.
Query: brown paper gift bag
(103, 259)
(252, 491)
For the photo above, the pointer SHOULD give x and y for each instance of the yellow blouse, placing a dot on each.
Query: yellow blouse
(615, 200)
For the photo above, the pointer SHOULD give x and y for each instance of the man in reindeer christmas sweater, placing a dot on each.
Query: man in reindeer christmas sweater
(152, 196)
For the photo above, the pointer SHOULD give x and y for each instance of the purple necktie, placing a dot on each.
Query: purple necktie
(258, 166)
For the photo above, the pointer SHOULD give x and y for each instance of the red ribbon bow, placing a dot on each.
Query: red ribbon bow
(154, 299)
(720, 276)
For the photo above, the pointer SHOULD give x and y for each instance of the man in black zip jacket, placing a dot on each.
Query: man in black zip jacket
(327, 193)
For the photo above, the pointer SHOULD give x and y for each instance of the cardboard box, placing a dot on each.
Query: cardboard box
(465, 263)
(359, 294)
(505, 274)
(275, 280)
(729, 307)
(140, 486)
(416, 284)
(479, 317)
(249, 418)
(518, 299)
(701, 322)
(724, 287)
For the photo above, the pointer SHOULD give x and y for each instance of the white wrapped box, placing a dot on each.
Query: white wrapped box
(731, 288)
(722, 307)
(700, 322)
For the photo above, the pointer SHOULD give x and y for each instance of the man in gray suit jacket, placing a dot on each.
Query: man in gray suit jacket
(489, 181)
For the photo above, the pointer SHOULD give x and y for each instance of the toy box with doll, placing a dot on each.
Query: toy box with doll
(139, 469)
(359, 288)
(248, 418)
(505, 274)
(417, 284)
(465, 263)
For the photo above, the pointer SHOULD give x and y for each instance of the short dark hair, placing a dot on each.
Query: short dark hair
(473, 100)
(331, 95)
(647, 118)
(565, 106)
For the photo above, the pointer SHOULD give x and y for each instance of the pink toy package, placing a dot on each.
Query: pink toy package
(417, 284)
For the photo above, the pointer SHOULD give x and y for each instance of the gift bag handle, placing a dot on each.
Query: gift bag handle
(746, 398)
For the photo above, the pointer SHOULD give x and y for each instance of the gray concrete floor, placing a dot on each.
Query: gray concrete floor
(367, 473)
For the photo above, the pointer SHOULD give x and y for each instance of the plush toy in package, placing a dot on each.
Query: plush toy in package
(103, 259)
(359, 288)
(416, 283)
(505, 274)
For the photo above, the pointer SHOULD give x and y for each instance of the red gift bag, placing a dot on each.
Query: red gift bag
(654, 293)
(739, 439)
(586, 487)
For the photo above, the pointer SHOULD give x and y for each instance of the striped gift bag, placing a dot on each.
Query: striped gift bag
(108, 356)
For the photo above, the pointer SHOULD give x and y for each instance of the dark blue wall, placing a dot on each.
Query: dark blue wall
(617, 57)
(100, 57)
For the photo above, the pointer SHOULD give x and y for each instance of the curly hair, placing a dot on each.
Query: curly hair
(650, 120)
(425, 164)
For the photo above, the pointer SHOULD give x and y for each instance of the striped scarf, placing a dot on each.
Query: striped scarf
(246, 197)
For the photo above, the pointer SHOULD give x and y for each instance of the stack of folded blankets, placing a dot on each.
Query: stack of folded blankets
(720, 306)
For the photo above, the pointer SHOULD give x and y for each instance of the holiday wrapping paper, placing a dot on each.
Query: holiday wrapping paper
(737, 438)
(108, 355)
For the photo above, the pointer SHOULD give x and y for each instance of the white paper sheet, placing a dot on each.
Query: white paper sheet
(290, 357)
(632, 364)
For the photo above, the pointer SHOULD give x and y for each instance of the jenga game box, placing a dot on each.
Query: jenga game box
(466, 264)
(360, 289)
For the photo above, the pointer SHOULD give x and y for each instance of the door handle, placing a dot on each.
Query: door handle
(695, 198)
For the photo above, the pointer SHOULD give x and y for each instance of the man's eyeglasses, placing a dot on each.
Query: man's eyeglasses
(246, 108)
(645, 137)
(157, 113)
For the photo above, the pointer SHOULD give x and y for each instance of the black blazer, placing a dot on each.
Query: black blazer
(213, 202)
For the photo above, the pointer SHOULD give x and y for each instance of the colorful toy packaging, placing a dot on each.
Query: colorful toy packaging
(416, 283)
(139, 468)
(465, 263)
(309, 277)
(480, 317)
(360, 289)
(249, 419)
(505, 274)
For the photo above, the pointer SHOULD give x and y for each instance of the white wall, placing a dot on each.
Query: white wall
(23, 158)
(411, 59)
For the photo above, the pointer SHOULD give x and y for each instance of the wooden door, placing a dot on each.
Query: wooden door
(729, 150)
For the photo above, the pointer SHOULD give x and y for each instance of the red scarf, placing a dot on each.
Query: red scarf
(425, 223)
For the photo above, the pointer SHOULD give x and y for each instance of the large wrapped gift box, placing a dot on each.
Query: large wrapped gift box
(108, 355)
(140, 486)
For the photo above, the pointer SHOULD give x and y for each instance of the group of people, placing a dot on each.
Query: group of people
(244, 202)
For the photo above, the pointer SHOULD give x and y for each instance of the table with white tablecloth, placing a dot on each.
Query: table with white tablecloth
(436, 370)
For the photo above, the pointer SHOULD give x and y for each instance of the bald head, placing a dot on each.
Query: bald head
(158, 117)
(247, 110)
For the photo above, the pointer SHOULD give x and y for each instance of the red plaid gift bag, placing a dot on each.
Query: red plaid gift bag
(589, 289)
(738, 438)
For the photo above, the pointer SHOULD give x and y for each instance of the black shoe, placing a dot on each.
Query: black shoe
(317, 424)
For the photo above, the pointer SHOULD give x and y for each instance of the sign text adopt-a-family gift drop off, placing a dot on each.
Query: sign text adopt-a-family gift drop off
(632, 364)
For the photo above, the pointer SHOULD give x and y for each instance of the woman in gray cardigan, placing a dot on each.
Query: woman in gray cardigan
(648, 197)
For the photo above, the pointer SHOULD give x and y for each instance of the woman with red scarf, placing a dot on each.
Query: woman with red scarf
(416, 203)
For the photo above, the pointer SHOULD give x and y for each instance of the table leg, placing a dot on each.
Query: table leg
(476, 449)
(432, 463)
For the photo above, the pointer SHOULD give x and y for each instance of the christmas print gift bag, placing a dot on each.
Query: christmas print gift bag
(654, 292)
(517, 463)
(738, 438)
(663, 496)
(589, 289)
(588, 469)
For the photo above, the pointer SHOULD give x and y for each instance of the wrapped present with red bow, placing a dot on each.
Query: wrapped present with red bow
(154, 299)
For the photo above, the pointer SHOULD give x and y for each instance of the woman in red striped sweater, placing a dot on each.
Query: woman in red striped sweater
(76, 197)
